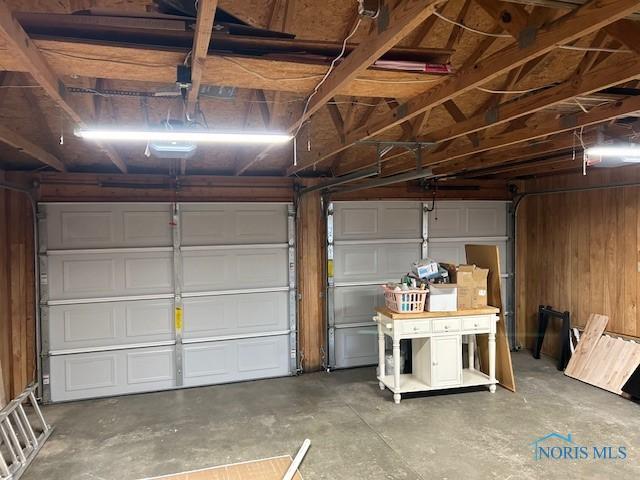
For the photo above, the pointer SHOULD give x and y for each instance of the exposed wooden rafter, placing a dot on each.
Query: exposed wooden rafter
(201, 41)
(538, 127)
(29, 148)
(399, 22)
(39, 69)
(585, 20)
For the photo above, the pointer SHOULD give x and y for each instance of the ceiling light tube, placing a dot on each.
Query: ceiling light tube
(626, 151)
(196, 136)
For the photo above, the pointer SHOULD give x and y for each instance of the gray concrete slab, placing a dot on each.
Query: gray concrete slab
(356, 430)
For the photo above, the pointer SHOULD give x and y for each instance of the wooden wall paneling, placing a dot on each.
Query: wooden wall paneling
(630, 270)
(17, 312)
(580, 252)
(311, 284)
(5, 307)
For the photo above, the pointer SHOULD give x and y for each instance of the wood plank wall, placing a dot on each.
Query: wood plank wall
(580, 252)
(17, 312)
(311, 283)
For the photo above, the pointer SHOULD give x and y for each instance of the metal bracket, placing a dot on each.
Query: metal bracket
(177, 291)
(293, 292)
(331, 320)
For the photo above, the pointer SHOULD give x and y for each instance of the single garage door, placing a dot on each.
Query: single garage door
(371, 243)
(145, 297)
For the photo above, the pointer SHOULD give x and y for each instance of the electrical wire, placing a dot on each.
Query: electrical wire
(465, 27)
(528, 90)
(505, 35)
(594, 49)
(326, 75)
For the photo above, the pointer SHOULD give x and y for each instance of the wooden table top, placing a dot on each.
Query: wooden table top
(459, 313)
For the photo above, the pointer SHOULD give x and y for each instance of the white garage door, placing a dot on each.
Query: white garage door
(144, 297)
(371, 243)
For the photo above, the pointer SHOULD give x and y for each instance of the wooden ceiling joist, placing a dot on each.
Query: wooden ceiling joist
(37, 66)
(538, 127)
(29, 148)
(587, 19)
(398, 23)
(201, 40)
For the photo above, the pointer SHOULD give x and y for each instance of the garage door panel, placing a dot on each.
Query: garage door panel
(207, 224)
(468, 219)
(110, 314)
(378, 262)
(376, 220)
(110, 324)
(233, 360)
(356, 346)
(78, 276)
(150, 366)
(356, 304)
(72, 226)
(235, 314)
(101, 374)
(234, 269)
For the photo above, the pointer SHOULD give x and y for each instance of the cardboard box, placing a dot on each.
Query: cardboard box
(443, 297)
(472, 285)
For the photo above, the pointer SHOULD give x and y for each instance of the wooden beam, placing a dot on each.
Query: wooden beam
(586, 19)
(539, 127)
(608, 76)
(336, 117)
(263, 106)
(33, 61)
(401, 21)
(626, 32)
(27, 147)
(524, 151)
(201, 41)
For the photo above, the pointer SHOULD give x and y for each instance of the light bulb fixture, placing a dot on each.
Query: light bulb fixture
(195, 136)
(628, 152)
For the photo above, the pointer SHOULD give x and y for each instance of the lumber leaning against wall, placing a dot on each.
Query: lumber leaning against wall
(579, 251)
(17, 314)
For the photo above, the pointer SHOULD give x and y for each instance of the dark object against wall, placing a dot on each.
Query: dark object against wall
(632, 387)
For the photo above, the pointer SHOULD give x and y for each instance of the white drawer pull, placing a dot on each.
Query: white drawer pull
(446, 327)
(475, 325)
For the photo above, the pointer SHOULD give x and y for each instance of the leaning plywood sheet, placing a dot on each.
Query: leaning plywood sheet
(488, 256)
(592, 333)
(267, 469)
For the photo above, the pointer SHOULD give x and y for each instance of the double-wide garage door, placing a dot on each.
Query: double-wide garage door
(371, 243)
(145, 297)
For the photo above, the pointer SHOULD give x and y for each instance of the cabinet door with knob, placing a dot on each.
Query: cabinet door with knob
(446, 361)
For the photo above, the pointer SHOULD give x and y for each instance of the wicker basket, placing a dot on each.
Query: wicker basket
(406, 301)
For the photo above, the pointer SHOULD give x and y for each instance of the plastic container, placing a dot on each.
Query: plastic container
(405, 301)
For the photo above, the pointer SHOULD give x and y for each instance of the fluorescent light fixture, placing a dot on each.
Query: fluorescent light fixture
(626, 151)
(196, 136)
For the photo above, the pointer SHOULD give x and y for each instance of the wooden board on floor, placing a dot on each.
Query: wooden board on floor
(487, 256)
(602, 360)
(267, 469)
(592, 333)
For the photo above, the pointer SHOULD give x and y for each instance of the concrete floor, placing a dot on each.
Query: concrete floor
(356, 430)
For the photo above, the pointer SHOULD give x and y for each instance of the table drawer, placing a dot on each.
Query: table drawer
(475, 324)
(409, 327)
(446, 325)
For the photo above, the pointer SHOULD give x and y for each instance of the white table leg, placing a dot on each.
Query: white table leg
(471, 343)
(492, 362)
(396, 370)
(381, 355)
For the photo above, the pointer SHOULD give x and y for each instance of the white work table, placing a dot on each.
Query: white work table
(436, 340)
